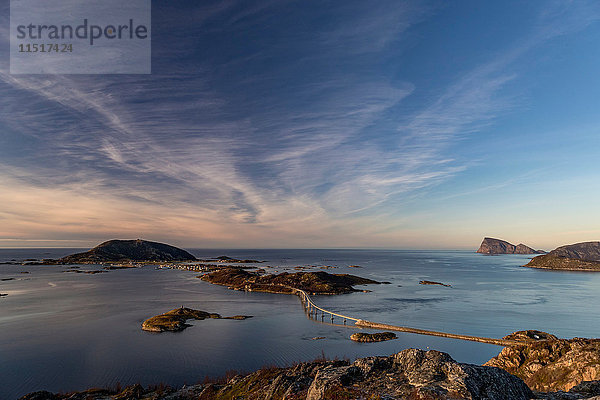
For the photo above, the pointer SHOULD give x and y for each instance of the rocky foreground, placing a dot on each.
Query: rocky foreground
(544, 367)
(551, 364)
(312, 282)
(574, 257)
(410, 374)
(499, 246)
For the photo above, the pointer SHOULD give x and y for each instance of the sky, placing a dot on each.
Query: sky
(316, 124)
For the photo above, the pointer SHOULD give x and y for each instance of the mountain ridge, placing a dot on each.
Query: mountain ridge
(129, 250)
(583, 256)
(498, 246)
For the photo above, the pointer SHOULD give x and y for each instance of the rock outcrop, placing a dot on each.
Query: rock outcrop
(576, 257)
(551, 364)
(373, 337)
(312, 282)
(410, 374)
(129, 250)
(175, 320)
(498, 246)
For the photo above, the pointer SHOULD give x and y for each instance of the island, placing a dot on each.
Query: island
(573, 257)
(312, 282)
(373, 337)
(129, 250)
(175, 320)
(499, 246)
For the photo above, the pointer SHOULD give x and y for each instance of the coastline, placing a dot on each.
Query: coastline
(372, 267)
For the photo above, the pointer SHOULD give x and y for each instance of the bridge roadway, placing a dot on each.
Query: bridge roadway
(311, 308)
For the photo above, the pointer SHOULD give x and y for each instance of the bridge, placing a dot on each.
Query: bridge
(313, 311)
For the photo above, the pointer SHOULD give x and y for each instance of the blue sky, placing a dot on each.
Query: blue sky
(316, 124)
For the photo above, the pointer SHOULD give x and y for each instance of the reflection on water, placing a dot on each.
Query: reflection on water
(65, 331)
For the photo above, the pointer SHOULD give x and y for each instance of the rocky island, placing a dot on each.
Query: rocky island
(128, 250)
(312, 282)
(574, 257)
(499, 246)
(175, 320)
(373, 337)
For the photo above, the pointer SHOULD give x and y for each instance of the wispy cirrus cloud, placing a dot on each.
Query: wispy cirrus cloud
(264, 148)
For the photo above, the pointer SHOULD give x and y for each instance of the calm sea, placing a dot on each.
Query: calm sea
(66, 331)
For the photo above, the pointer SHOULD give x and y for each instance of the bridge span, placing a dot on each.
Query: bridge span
(313, 311)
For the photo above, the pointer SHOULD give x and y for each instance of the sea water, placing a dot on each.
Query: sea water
(65, 331)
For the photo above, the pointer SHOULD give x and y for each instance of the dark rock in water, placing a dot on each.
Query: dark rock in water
(175, 320)
(239, 317)
(576, 257)
(433, 283)
(498, 246)
(129, 250)
(551, 364)
(312, 282)
(3, 294)
(373, 337)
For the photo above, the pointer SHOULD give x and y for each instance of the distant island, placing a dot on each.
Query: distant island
(573, 257)
(312, 282)
(129, 250)
(499, 246)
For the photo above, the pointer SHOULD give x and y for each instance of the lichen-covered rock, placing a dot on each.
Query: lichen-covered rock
(552, 365)
(410, 374)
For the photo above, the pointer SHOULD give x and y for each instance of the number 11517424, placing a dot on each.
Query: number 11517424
(46, 48)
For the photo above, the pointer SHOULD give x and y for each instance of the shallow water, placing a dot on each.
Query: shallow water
(66, 331)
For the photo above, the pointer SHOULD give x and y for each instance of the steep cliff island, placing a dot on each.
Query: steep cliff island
(574, 257)
(312, 282)
(499, 246)
(128, 250)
